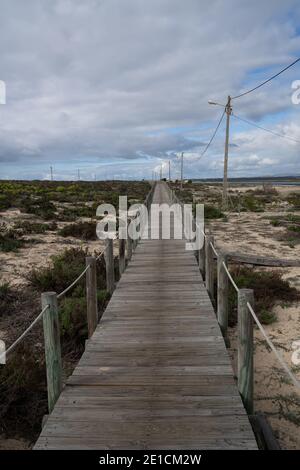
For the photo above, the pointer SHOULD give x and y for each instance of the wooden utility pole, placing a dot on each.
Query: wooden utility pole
(51, 172)
(181, 171)
(78, 174)
(228, 110)
(161, 171)
(169, 170)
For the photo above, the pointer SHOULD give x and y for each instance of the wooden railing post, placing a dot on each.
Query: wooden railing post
(121, 256)
(201, 259)
(222, 294)
(91, 294)
(52, 348)
(129, 247)
(245, 348)
(109, 264)
(209, 266)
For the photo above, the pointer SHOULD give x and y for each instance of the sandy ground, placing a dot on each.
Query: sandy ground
(252, 233)
(14, 267)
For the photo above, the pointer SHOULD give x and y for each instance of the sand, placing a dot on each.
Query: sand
(252, 233)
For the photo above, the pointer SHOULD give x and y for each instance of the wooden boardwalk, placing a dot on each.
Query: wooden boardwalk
(156, 373)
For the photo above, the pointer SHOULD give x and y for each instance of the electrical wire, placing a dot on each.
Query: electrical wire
(266, 81)
(283, 136)
(213, 136)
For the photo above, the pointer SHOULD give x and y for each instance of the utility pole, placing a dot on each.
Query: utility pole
(169, 170)
(181, 171)
(78, 174)
(228, 110)
(51, 172)
(161, 171)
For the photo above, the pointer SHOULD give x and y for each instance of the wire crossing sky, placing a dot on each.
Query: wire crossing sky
(113, 89)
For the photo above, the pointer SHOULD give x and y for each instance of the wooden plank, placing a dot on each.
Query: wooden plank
(155, 373)
(96, 443)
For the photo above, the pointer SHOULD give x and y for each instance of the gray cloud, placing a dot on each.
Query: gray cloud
(98, 83)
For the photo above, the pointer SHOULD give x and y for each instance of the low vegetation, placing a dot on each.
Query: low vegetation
(9, 240)
(82, 230)
(71, 214)
(291, 224)
(6, 298)
(212, 212)
(23, 391)
(40, 206)
(42, 197)
(269, 289)
(25, 227)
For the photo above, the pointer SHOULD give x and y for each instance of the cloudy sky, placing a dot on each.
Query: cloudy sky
(116, 88)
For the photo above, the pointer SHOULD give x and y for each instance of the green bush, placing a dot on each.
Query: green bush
(73, 321)
(9, 241)
(6, 298)
(82, 230)
(251, 204)
(64, 269)
(70, 214)
(39, 206)
(23, 394)
(275, 222)
(212, 212)
(5, 202)
(294, 228)
(269, 288)
(294, 200)
(26, 227)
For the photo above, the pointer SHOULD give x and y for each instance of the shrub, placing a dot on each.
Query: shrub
(185, 196)
(251, 204)
(9, 241)
(294, 200)
(212, 212)
(64, 269)
(26, 227)
(269, 288)
(73, 321)
(40, 206)
(82, 230)
(6, 298)
(294, 228)
(72, 213)
(275, 222)
(5, 202)
(23, 394)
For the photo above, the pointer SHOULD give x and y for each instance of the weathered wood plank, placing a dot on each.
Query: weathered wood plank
(155, 373)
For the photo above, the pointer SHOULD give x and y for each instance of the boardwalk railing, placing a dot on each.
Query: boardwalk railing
(246, 314)
(50, 309)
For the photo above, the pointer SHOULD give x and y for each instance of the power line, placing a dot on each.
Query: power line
(266, 81)
(267, 130)
(213, 136)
